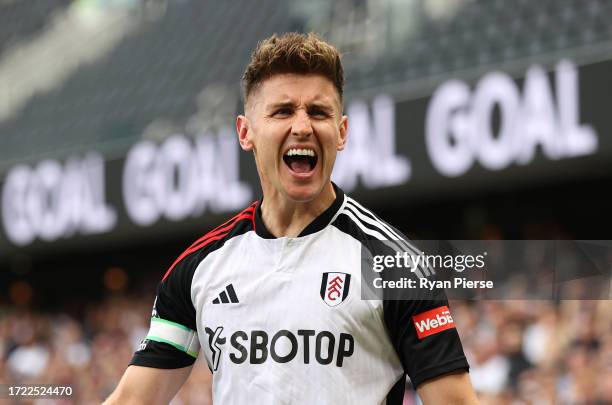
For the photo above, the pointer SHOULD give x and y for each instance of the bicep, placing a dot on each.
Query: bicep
(452, 389)
(147, 385)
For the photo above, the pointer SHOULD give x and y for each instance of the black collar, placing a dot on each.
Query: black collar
(316, 225)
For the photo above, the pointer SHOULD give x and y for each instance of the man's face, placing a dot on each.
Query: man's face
(295, 126)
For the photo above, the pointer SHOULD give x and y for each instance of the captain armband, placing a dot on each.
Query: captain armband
(174, 334)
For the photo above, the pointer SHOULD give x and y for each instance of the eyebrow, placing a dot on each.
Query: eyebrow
(290, 104)
(283, 104)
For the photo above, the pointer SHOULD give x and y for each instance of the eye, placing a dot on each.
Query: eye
(318, 113)
(282, 112)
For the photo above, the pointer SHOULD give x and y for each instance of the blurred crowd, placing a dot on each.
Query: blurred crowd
(88, 354)
(521, 352)
(538, 352)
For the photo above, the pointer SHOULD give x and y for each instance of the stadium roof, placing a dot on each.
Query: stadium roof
(99, 75)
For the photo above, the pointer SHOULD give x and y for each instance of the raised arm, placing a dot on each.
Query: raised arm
(147, 385)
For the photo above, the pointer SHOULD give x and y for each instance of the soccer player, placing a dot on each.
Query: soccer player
(271, 298)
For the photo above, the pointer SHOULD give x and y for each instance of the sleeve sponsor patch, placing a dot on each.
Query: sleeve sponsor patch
(433, 321)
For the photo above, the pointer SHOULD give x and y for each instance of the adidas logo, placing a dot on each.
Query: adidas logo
(227, 296)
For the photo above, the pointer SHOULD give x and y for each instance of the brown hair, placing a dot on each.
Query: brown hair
(293, 53)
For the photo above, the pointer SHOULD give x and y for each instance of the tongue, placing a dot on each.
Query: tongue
(300, 165)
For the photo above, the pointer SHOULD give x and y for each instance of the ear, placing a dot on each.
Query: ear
(343, 137)
(244, 133)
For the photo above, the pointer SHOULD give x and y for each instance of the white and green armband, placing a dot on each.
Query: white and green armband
(174, 334)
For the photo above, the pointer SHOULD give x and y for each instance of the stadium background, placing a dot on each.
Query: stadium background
(468, 120)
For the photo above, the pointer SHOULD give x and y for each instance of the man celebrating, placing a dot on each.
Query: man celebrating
(272, 297)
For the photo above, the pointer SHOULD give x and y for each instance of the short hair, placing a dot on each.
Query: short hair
(293, 53)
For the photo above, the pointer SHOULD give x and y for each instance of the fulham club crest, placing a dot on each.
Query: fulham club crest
(335, 287)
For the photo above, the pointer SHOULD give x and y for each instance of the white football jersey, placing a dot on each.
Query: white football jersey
(282, 320)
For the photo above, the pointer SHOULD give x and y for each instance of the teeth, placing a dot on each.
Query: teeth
(300, 152)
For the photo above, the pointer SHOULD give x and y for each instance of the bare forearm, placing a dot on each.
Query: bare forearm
(143, 385)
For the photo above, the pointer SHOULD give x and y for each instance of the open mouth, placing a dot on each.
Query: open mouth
(300, 160)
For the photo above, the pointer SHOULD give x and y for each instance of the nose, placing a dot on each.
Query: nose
(301, 125)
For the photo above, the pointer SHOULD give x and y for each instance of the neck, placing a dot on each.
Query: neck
(283, 217)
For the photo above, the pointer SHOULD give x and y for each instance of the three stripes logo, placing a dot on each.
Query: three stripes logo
(227, 296)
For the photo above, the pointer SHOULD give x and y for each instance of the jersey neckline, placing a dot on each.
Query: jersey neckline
(316, 225)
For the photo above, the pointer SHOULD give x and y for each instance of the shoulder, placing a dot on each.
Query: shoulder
(363, 224)
(377, 236)
(239, 224)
